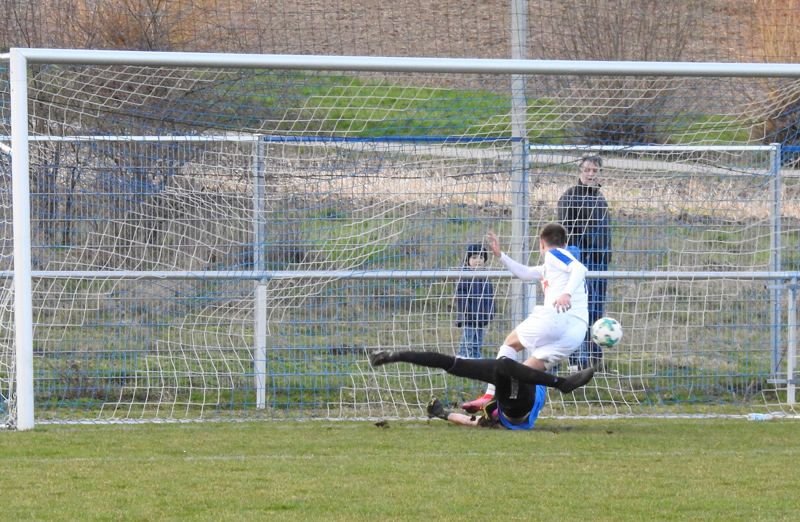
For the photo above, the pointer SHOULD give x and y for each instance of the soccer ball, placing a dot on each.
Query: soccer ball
(606, 332)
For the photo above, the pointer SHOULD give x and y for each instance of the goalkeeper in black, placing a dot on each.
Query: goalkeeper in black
(520, 389)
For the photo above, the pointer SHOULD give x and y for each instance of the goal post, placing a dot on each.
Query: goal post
(22, 391)
(211, 236)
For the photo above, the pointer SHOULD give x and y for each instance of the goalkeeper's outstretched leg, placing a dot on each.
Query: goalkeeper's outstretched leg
(519, 389)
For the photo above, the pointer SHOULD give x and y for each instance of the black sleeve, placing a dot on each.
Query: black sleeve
(568, 214)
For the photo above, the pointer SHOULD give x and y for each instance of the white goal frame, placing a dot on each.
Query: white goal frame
(20, 59)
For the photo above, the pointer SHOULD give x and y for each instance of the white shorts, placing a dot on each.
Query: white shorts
(551, 336)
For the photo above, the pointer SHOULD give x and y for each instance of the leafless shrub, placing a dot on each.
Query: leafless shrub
(627, 110)
(775, 39)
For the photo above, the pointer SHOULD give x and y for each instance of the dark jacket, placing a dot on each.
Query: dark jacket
(584, 213)
(474, 295)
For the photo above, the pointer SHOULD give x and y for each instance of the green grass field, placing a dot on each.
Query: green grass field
(587, 470)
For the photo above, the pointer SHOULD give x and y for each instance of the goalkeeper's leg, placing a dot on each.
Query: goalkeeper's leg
(477, 369)
(485, 370)
(522, 373)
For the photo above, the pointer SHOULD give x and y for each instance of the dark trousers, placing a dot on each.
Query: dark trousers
(515, 383)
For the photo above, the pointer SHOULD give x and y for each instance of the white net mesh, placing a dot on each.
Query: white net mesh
(159, 195)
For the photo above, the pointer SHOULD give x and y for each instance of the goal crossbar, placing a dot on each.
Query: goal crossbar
(399, 64)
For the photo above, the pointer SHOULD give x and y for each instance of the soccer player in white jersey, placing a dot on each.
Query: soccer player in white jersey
(555, 329)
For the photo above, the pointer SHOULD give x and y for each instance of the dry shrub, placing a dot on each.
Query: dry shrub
(627, 29)
(628, 111)
(158, 25)
(776, 40)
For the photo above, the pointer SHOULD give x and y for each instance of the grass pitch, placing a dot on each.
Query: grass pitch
(582, 470)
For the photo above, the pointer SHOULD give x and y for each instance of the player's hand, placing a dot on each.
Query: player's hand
(563, 303)
(494, 245)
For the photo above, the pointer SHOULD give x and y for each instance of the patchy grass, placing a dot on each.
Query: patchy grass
(610, 470)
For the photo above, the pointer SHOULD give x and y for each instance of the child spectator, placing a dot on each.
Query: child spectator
(475, 304)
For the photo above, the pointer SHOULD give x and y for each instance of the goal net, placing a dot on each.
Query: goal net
(228, 240)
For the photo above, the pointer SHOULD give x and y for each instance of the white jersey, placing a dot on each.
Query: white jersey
(560, 274)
